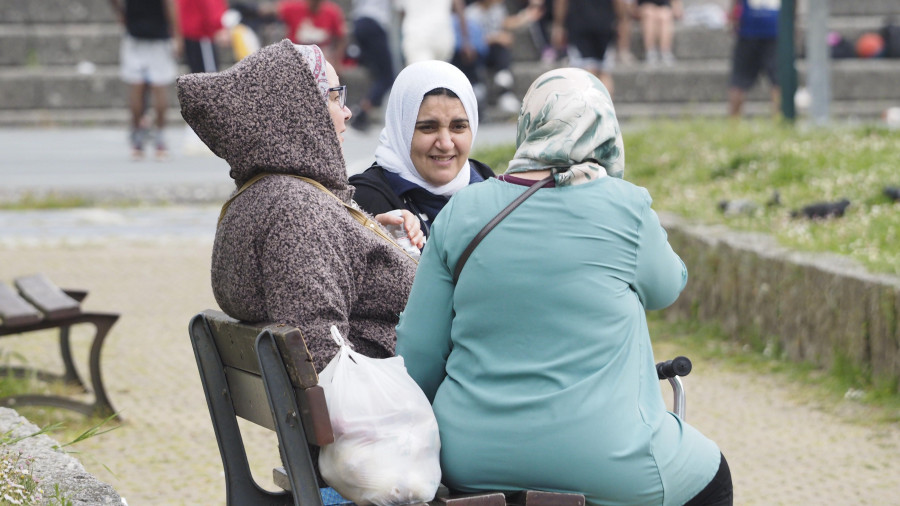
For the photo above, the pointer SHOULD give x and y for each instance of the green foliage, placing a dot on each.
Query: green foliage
(17, 482)
(496, 157)
(51, 201)
(690, 166)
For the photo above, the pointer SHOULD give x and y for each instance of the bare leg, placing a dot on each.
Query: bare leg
(650, 26)
(735, 102)
(160, 107)
(776, 101)
(623, 37)
(137, 108)
(666, 28)
(136, 104)
(607, 80)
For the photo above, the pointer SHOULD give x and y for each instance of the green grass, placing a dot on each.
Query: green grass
(843, 391)
(52, 201)
(689, 166)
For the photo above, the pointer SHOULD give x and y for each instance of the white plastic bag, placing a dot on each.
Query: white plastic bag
(386, 448)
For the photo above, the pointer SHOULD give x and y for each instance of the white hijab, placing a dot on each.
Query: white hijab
(403, 104)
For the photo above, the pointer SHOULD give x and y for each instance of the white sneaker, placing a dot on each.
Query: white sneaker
(652, 58)
(668, 59)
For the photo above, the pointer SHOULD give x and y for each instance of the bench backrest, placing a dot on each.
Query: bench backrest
(263, 373)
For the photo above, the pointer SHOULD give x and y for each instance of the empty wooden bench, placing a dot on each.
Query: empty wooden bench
(38, 304)
(264, 373)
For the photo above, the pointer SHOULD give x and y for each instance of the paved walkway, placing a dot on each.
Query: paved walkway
(94, 162)
(783, 448)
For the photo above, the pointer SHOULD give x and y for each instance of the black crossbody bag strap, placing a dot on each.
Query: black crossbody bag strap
(494, 221)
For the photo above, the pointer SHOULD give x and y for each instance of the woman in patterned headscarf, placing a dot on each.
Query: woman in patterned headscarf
(538, 359)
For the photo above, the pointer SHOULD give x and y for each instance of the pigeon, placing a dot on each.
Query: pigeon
(745, 206)
(735, 207)
(822, 209)
(893, 193)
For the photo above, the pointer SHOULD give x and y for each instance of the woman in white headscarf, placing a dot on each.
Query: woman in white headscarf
(422, 158)
(537, 359)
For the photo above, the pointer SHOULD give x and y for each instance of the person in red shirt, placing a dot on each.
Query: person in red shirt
(201, 26)
(319, 22)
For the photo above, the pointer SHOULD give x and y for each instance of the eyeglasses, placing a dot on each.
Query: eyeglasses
(342, 94)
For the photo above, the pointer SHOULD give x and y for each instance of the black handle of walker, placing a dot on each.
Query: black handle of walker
(678, 366)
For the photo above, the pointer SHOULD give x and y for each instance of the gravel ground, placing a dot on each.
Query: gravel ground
(782, 448)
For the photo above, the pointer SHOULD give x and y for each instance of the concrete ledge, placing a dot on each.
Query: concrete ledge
(51, 466)
(819, 308)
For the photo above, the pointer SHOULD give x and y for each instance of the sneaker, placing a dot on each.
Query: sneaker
(548, 56)
(136, 139)
(668, 59)
(652, 58)
(162, 151)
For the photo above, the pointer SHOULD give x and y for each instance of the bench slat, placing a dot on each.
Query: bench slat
(297, 359)
(541, 498)
(236, 342)
(14, 310)
(47, 297)
(489, 499)
(315, 417)
(248, 396)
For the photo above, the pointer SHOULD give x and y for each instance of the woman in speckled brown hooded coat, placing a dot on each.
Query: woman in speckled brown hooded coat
(284, 250)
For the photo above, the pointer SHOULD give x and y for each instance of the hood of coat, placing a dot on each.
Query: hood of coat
(266, 114)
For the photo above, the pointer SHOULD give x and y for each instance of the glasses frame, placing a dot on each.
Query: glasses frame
(342, 94)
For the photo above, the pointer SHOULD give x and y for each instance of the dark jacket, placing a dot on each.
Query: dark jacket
(286, 251)
(374, 193)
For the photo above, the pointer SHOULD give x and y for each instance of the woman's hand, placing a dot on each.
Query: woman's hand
(410, 224)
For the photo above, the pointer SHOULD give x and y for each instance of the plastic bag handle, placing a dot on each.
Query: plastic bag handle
(336, 335)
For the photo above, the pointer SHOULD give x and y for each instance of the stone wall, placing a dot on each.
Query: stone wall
(819, 308)
(51, 466)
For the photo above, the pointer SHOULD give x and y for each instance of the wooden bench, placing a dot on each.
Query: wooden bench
(38, 304)
(264, 373)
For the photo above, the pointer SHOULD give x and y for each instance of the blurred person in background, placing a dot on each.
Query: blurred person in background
(151, 47)
(426, 30)
(755, 25)
(658, 29)
(307, 22)
(202, 29)
(491, 20)
(585, 29)
(372, 20)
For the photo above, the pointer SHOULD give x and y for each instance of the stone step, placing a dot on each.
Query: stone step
(98, 43)
(864, 7)
(841, 111)
(93, 11)
(687, 82)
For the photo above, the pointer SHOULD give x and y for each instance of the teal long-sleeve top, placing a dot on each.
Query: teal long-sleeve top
(538, 361)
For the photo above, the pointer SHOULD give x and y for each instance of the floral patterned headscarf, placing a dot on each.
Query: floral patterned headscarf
(568, 125)
(316, 61)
